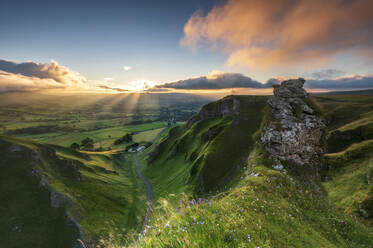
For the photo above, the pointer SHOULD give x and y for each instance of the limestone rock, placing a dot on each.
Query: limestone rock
(295, 132)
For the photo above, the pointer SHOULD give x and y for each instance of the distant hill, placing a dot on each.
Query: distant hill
(351, 92)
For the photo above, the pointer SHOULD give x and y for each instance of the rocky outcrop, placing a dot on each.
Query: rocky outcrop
(295, 132)
(227, 106)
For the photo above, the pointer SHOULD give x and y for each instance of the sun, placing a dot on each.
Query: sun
(140, 85)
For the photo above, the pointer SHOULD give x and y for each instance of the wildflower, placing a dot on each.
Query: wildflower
(167, 224)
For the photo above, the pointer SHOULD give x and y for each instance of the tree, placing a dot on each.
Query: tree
(75, 146)
(125, 139)
(87, 143)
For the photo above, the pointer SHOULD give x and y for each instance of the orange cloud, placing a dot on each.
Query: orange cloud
(31, 76)
(262, 34)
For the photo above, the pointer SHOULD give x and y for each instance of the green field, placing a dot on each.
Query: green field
(104, 137)
(147, 136)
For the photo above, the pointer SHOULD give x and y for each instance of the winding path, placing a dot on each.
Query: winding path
(150, 201)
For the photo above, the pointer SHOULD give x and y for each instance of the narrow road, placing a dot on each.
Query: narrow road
(150, 197)
(150, 201)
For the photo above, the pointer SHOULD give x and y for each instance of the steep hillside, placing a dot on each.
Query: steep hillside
(270, 199)
(347, 166)
(267, 208)
(53, 195)
(207, 152)
(349, 119)
(348, 177)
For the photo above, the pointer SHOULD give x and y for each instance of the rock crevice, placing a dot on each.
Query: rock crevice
(295, 132)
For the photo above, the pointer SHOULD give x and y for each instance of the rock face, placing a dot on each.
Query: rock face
(224, 107)
(295, 133)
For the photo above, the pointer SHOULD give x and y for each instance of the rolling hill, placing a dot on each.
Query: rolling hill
(215, 183)
(218, 186)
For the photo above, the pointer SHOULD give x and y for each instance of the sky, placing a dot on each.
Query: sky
(131, 45)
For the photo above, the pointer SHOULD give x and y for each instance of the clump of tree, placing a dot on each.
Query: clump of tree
(88, 143)
(125, 139)
(75, 146)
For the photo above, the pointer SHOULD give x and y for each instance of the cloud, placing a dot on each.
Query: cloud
(325, 74)
(112, 88)
(215, 80)
(31, 76)
(264, 34)
(221, 80)
(127, 68)
(353, 82)
(19, 82)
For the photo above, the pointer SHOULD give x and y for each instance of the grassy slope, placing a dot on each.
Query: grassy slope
(275, 209)
(189, 162)
(27, 218)
(272, 209)
(350, 179)
(350, 124)
(105, 194)
(349, 119)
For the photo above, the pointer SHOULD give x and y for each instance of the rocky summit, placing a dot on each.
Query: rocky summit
(295, 131)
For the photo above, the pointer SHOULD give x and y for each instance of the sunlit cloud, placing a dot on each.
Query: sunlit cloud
(261, 34)
(31, 76)
(127, 68)
(219, 80)
(107, 79)
(215, 80)
(139, 85)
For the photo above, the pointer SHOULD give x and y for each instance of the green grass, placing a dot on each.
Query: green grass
(146, 136)
(207, 160)
(106, 195)
(349, 179)
(340, 110)
(104, 137)
(349, 119)
(195, 163)
(275, 209)
(27, 218)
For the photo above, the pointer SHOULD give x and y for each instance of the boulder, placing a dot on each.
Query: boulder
(295, 133)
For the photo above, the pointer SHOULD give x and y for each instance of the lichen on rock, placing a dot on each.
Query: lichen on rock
(295, 133)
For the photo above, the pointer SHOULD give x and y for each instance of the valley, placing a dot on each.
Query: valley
(186, 124)
(203, 182)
